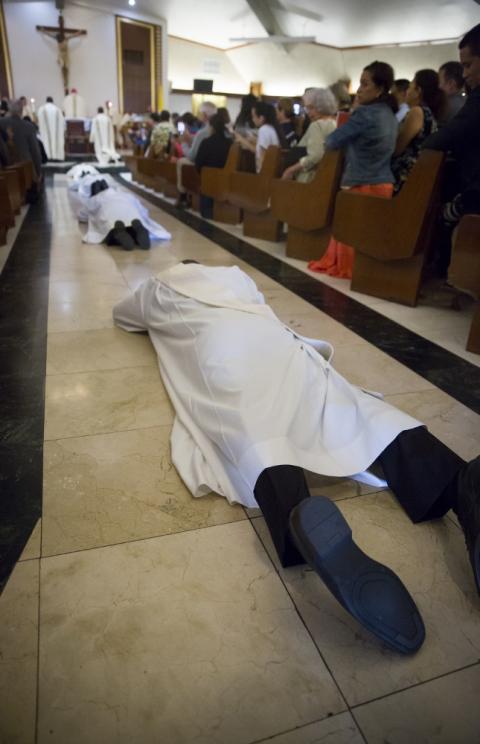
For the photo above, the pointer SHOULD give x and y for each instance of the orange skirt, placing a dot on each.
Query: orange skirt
(338, 258)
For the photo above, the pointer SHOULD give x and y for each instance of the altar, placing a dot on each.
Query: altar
(77, 133)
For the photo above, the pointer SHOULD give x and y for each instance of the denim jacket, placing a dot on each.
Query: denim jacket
(369, 136)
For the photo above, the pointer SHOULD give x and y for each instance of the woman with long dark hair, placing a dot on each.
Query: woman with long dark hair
(268, 132)
(427, 104)
(369, 138)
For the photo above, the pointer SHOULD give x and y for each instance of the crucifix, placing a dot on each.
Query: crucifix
(62, 36)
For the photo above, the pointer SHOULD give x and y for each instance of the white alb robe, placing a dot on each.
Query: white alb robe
(74, 106)
(103, 138)
(52, 131)
(104, 209)
(80, 190)
(248, 392)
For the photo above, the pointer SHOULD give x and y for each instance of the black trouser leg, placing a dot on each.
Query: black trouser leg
(419, 469)
(277, 491)
(421, 472)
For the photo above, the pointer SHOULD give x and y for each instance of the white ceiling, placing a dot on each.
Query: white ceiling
(344, 23)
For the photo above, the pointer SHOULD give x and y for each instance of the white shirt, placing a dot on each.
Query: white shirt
(266, 136)
(403, 110)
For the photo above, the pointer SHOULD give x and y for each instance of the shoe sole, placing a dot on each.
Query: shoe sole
(121, 237)
(142, 237)
(368, 590)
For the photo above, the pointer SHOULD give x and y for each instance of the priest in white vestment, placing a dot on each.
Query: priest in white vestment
(256, 404)
(103, 137)
(52, 130)
(74, 106)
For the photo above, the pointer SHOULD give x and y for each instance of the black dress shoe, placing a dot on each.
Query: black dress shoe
(120, 236)
(139, 234)
(468, 511)
(369, 591)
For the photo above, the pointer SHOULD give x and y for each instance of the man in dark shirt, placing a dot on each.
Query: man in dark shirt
(450, 80)
(24, 137)
(461, 138)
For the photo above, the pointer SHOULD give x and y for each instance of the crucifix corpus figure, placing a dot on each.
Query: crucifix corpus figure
(62, 36)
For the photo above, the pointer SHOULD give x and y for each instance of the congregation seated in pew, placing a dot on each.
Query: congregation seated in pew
(320, 105)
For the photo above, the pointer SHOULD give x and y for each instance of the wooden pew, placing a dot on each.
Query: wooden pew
(24, 170)
(391, 237)
(7, 215)
(251, 193)
(308, 208)
(12, 176)
(148, 174)
(191, 184)
(464, 270)
(131, 161)
(214, 182)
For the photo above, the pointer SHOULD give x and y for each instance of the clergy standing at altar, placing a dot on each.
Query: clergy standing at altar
(52, 130)
(74, 106)
(103, 138)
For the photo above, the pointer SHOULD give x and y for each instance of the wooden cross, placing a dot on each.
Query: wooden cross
(62, 36)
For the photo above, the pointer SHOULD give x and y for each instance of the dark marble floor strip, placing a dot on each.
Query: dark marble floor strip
(23, 347)
(450, 373)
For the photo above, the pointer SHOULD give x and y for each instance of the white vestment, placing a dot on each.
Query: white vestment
(102, 136)
(79, 192)
(74, 106)
(52, 131)
(77, 172)
(247, 391)
(108, 206)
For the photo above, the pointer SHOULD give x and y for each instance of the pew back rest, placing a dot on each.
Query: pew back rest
(464, 270)
(392, 229)
(251, 191)
(214, 181)
(309, 206)
(190, 179)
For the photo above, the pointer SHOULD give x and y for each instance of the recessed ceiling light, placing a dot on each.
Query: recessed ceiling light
(132, 2)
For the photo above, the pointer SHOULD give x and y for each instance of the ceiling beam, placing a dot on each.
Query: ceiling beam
(263, 12)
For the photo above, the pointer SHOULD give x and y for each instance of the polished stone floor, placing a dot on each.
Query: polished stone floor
(139, 614)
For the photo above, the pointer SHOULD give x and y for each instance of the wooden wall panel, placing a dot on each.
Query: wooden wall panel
(137, 65)
(5, 70)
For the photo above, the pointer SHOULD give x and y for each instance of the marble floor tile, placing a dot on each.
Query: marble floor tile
(18, 654)
(453, 423)
(91, 273)
(33, 547)
(432, 561)
(82, 307)
(444, 711)
(188, 637)
(113, 488)
(107, 348)
(368, 367)
(284, 303)
(340, 729)
(100, 402)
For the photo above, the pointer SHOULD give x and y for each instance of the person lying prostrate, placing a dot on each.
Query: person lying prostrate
(248, 422)
(321, 107)
(427, 103)
(369, 137)
(265, 119)
(119, 218)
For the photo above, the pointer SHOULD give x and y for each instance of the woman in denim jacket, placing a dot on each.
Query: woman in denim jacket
(369, 138)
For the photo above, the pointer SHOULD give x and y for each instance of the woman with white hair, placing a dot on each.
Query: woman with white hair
(321, 107)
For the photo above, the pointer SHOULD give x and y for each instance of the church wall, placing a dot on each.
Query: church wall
(405, 60)
(282, 73)
(188, 60)
(304, 66)
(93, 63)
